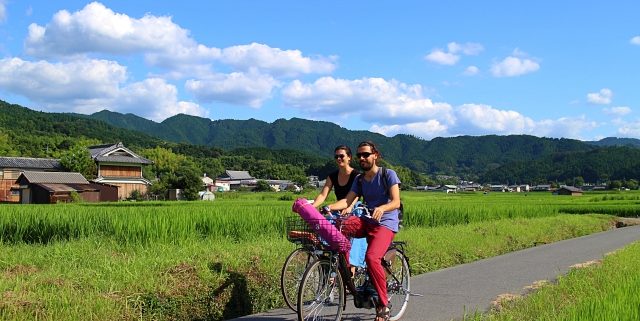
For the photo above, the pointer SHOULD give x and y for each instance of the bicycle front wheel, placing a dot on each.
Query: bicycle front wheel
(292, 272)
(321, 295)
(398, 282)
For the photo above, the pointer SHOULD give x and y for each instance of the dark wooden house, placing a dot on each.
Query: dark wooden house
(568, 190)
(54, 187)
(12, 167)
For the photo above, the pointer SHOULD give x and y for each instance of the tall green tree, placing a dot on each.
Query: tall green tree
(78, 159)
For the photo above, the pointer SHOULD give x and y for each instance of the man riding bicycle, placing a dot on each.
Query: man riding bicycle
(384, 222)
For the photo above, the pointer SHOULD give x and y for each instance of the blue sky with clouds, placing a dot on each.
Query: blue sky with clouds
(427, 68)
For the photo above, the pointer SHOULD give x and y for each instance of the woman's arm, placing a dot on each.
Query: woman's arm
(324, 193)
(343, 203)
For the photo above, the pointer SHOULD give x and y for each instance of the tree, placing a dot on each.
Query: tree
(262, 186)
(78, 159)
(187, 178)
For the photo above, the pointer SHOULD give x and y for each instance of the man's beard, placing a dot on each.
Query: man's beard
(366, 166)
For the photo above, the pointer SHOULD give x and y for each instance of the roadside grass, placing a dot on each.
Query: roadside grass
(607, 291)
(211, 278)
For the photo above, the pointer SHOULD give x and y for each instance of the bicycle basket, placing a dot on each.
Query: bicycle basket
(298, 232)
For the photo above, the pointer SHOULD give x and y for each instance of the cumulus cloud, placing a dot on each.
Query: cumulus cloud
(275, 60)
(514, 66)
(394, 107)
(428, 129)
(3, 11)
(42, 81)
(452, 55)
(236, 88)
(471, 71)
(154, 99)
(635, 40)
(374, 99)
(603, 97)
(443, 58)
(617, 111)
(89, 85)
(631, 129)
(96, 29)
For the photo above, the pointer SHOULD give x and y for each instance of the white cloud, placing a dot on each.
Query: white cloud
(275, 60)
(43, 82)
(635, 40)
(87, 86)
(3, 10)
(468, 48)
(471, 71)
(96, 29)
(631, 129)
(426, 130)
(513, 66)
(393, 107)
(617, 111)
(154, 99)
(603, 97)
(443, 58)
(486, 119)
(250, 89)
(373, 99)
(452, 56)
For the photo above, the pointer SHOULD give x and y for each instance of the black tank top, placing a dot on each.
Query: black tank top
(342, 191)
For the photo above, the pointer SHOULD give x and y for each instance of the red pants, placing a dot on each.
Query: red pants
(378, 238)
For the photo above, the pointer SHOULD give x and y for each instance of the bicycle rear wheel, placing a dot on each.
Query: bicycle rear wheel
(292, 272)
(398, 282)
(321, 295)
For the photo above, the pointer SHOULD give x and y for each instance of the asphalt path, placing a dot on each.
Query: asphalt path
(450, 293)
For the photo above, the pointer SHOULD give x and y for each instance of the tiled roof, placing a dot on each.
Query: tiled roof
(30, 163)
(54, 177)
(102, 153)
(237, 175)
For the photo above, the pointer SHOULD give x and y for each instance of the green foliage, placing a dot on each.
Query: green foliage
(78, 159)
(263, 186)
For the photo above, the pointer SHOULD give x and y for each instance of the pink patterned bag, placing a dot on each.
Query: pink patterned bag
(324, 228)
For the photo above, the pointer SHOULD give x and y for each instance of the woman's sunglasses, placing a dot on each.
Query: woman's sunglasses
(341, 156)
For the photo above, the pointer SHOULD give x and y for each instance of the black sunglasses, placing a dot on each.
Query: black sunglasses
(363, 155)
(341, 156)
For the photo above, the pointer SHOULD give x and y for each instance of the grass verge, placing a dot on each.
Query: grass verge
(609, 290)
(99, 278)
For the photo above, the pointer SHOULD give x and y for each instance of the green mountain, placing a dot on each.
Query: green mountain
(39, 134)
(491, 158)
(465, 155)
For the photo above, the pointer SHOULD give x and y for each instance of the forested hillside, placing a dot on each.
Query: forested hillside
(292, 149)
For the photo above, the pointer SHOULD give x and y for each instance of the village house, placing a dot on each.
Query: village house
(568, 190)
(12, 167)
(233, 180)
(121, 167)
(54, 187)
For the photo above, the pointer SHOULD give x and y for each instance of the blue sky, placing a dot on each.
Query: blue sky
(427, 68)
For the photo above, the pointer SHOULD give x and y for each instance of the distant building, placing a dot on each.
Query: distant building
(232, 180)
(568, 190)
(54, 187)
(12, 167)
(119, 166)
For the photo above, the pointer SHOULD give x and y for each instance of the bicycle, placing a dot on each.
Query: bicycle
(322, 290)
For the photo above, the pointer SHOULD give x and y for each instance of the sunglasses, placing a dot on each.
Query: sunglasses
(363, 155)
(341, 156)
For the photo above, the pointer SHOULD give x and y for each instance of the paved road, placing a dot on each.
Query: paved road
(448, 293)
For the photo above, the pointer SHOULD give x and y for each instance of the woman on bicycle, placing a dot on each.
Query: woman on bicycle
(341, 181)
(383, 224)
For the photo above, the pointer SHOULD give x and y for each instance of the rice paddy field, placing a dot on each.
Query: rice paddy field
(221, 259)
